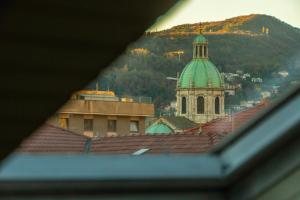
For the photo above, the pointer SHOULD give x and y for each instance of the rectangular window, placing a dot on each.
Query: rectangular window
(88, 125)
(134, 126)
(112, 125)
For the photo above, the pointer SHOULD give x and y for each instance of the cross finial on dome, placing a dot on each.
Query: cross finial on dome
(200, 28)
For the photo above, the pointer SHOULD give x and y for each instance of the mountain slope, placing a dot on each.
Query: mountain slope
(258, 44)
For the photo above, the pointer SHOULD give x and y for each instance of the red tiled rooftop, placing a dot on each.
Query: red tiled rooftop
(52, 139)
(230, 123)
(158, 144)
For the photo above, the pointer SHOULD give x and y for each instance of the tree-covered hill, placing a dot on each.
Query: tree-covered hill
(258, 44)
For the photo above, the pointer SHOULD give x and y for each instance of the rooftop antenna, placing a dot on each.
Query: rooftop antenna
(97, 85)
(172, 78)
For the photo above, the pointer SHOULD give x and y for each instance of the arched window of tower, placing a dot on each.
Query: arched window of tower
(217, 105)
(183, 105)
(200, 105)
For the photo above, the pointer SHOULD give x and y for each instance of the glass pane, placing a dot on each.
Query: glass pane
(197, 75)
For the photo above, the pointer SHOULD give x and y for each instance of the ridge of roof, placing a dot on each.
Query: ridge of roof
(147, 135)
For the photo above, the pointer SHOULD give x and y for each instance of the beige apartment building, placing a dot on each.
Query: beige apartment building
(101, 113)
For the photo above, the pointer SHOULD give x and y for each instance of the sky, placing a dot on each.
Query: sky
(193, 11)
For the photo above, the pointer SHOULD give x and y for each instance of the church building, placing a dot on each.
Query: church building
(200, 87)
(199, 92)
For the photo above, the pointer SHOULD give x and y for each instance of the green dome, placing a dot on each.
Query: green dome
(200, 39)
(158, 128)
(200, 73)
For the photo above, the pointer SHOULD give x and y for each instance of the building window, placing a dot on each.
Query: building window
(112, 125)
(200, 105)
(205, 51)
(134, 126)
(200, 51)
(217, 105)
(88, 125)
(183, 105)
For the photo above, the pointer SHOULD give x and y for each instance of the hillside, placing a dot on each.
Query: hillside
(258, 44)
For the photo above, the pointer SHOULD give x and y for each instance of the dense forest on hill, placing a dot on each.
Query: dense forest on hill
(258, 44)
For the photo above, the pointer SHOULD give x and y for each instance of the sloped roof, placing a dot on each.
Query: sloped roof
(220, 125)
(158, 144)
(52, 139)
(158, 128)
(181, 123)
(240, 118)
(230, 123)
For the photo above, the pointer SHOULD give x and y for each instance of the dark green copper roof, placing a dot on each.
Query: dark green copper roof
(200, 73)
(181, 123)
(200, 39)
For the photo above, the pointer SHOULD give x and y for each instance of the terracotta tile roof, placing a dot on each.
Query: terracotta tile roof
(230, 123)
(52, 139)
(222, 125)
(157, 144)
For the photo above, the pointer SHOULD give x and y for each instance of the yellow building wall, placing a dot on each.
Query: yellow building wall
(76, 124)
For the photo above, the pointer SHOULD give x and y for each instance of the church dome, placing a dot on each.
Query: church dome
(200, 72)
(200, 39)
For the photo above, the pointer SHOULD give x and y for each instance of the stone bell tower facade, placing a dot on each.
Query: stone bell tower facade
(200, 87)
